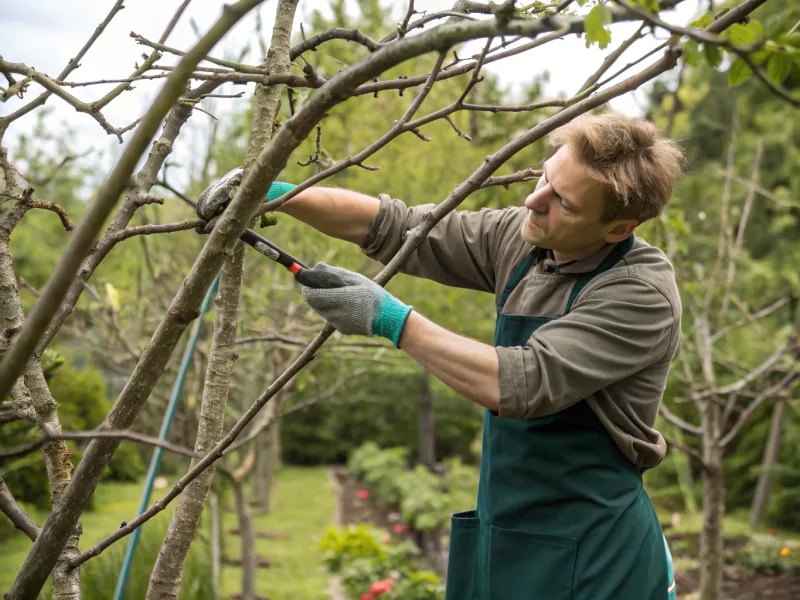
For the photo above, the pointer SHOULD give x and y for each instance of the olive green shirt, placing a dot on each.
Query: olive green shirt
(615, 346)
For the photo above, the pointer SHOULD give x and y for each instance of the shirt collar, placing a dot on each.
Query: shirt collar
(584, 265)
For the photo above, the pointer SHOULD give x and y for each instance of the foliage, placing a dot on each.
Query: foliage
(372, 565)
(425, 499)
(767, 554)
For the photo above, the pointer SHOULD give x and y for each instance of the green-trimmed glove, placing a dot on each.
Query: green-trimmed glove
(215, 198)
(361, 307)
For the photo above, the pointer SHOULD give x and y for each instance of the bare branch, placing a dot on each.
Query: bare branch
(612, 58)
(47, 436)
(17, 410)
(685, 448)
(528, 174)
(335, 33)
(74, 63)
(16, 515)
(745, 415)
(14, 360)
(737, 246)
(241, 68)
(764, 312)
(678, 422)
(764, 368)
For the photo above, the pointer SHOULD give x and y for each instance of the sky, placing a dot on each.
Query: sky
(45, 34)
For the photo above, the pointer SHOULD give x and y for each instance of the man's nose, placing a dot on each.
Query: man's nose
(538, 200)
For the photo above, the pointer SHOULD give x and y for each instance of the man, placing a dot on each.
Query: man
(588, 321)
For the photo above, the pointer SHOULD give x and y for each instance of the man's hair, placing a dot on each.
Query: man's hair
(636, 164)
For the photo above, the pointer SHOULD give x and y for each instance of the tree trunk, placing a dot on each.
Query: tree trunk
(165, 580)
(249, 559)
(683, 469)
(711, 537)
(427, 424)
(215, 536)
(267, 457)
(33, 395)
(771, 455)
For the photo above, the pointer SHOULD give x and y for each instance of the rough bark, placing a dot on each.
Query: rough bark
(32, 397)
(427, 424)
(166, 578)
(247, 536)
(771, 456)
(711, 538)
(216, 538)
(167, 574)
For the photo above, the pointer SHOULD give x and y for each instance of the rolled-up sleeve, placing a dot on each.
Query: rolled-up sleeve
(460, 251)
(618, 329)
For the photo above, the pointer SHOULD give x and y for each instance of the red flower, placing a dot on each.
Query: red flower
(386, 539)
(363, 494)
(381, 587)
(366, 597)
(399, 528)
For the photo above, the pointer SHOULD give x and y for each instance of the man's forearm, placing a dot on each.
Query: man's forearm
(339, 213)
(469, 367)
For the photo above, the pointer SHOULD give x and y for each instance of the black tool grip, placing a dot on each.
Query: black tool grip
(318, 279)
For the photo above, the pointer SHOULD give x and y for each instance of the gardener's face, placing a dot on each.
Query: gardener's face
(566, 208)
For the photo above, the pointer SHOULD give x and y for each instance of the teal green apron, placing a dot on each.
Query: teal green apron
(561, 512)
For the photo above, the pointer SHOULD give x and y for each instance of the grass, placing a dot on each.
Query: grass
(303, 504)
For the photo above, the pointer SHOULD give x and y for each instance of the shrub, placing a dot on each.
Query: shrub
(767, 554)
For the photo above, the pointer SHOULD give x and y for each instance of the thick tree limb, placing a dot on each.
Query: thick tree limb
(15, 514)
(17, 410)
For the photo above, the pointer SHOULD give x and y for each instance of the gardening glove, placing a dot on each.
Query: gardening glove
(360, 307)
(216, 197)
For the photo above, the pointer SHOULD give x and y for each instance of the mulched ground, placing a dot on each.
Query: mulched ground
(738, 585)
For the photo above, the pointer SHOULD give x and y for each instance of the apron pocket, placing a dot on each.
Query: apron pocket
(461, 555)
(530, 566)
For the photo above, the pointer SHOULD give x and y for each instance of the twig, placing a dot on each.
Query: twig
(764, 368)
(191, 202)
(685, 448)
(156, 228)
(16, 515)
(402, 28)
(242, 68)
(45, 437)
(760, 314)
(37, 321)
(335, 33)
(745, 415)
(506, 180)
(678, 422)
(612, 58)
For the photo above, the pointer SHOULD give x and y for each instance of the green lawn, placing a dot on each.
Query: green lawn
(303, 504)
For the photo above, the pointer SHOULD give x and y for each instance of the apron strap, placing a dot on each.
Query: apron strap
(620, 250)
(516, 276)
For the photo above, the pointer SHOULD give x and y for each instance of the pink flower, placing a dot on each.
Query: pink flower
(381, 587)
(363, 494)
(366, 597)
(386, 539)
(399, 528)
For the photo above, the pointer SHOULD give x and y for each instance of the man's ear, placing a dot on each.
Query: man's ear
(620, 230)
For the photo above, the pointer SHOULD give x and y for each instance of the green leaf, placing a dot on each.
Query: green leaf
(582, 2)
(757, 28)
(702, 22)
(739, 35)
(595, 23)
(778, 67)
(760, 56)
(692, 53)
(738, 72)
(712, 54)
(112, 295)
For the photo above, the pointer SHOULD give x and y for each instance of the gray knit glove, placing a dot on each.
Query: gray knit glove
(361, 307)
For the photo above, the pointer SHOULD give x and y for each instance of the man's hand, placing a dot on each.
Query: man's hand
(216, 197)
(361, 307)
